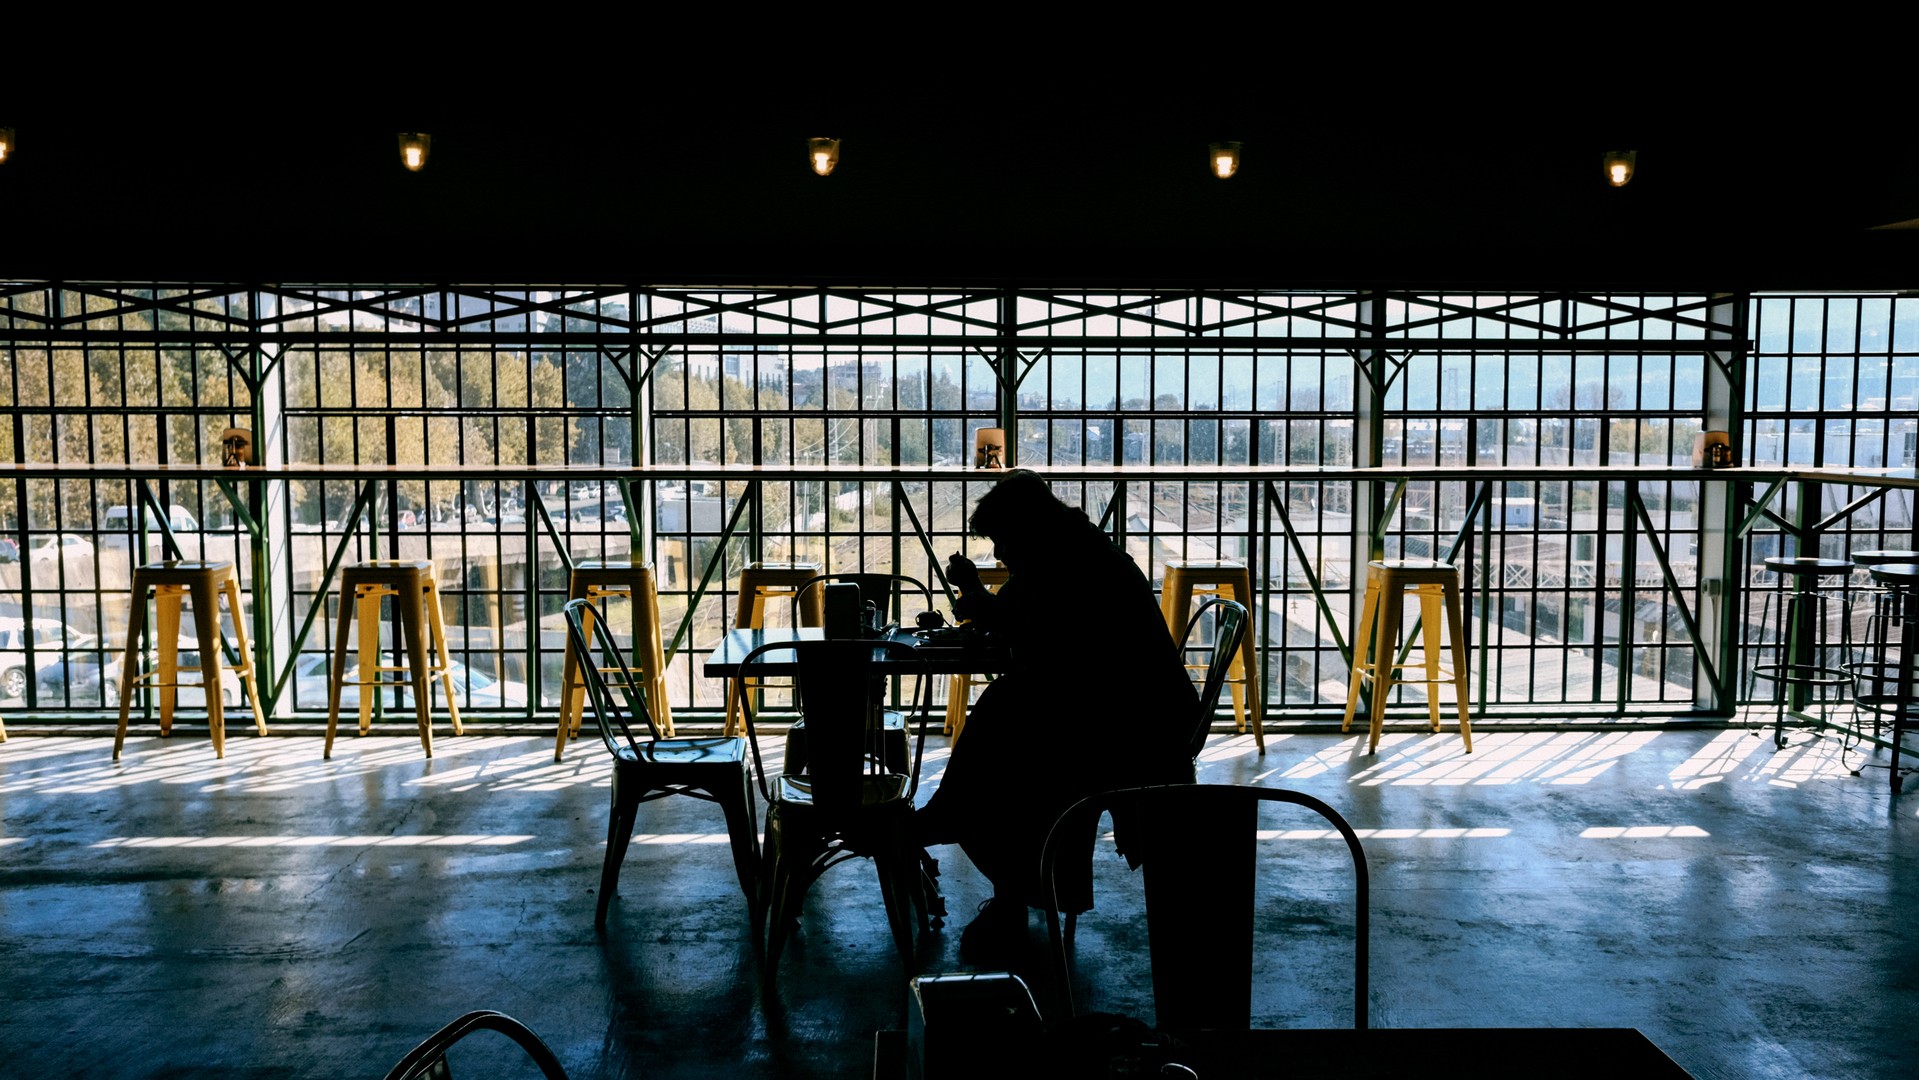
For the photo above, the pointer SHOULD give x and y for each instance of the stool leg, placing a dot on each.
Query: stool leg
(206, 625)
(245, 670)
(167, 603)
(1255, 684)
(340, 635)
(1385, 653)
(1429, 605)
(368, 601)
(1362, 640)
(958, 689)
(436, 620)
(1456, 627)
(650, 644)
(413, 625)
(573, 688)
(130, 665)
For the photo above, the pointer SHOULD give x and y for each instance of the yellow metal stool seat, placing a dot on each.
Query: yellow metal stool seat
(959, 688)
(759, 582)
(1188, 578)
(1437, 586)
(172, 582)
(597, 580)
(416, 605)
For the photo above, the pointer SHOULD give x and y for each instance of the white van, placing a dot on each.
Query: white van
(119, 519)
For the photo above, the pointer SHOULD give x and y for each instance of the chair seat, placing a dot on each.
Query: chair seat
(666, 753)
(797, 791)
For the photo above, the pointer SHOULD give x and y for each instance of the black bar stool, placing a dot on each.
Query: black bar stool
(1872, 683)
(1883, 676)
(1801, 655)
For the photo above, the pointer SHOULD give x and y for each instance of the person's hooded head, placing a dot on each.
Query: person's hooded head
(1024, 519)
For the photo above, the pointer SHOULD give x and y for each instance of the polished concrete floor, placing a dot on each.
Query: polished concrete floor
(1755, 913)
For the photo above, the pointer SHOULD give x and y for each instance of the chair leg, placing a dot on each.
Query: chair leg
(741, 833)
(779, 888)
(619, 836)
(894, 893)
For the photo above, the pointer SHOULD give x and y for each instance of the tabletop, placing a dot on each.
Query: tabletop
(945, 657)
(1346, 1053)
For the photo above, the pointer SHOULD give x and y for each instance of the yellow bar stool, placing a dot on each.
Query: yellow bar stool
(416, 604)
(1189, 578)
(959, 688)
(204, 583)
(1436, 584)
(597, 580)
(758, 582)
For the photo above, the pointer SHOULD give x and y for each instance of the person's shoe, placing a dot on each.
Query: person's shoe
(996, 938)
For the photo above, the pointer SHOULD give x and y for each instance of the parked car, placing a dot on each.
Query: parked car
(47, 547)
(312, 682)
(92, 675)
(50, 636)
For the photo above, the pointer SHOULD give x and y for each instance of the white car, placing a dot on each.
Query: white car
(312, 682)
(47, 547)
(90, 674)
(50, 636)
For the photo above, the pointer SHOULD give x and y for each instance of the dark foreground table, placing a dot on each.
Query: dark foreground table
(1374, 1054)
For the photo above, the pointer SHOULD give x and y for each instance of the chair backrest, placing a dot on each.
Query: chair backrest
(429, 1058)
(597, 654)
(1229, 629)
(840, 685)
(886, 592)
(1196, 844)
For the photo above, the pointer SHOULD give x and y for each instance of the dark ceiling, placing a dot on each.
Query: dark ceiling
(1031, 184)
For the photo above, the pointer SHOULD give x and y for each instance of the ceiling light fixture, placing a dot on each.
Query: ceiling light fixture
(413, 148)
(1619, 166)
(1223, 159)
(824, 154)
(6, 144)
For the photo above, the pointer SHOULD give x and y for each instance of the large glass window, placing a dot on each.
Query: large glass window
(1579, 584)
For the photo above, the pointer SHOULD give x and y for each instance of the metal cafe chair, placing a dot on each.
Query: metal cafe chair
(713, 768)
(886, 592)
(427, 1061)
(851, 802)
(1229, 618)
(1198, 858)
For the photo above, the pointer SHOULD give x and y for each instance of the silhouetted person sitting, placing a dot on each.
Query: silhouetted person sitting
(1096, 697)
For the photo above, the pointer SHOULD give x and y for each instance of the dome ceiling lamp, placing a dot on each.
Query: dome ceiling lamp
(413, 150)
(1619, 166)
(823, 154)
(1223, 159)
(7, 143)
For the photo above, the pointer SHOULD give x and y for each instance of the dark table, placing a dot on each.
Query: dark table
(941, 657)
(1315, 1053)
